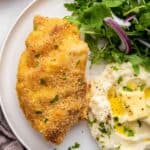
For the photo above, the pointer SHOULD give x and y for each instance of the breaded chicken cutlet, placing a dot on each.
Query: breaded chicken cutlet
(51, 84)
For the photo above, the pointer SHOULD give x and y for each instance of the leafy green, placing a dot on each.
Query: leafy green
(89, 16)
(113, 3)
(145, 19)
(134, 10)
(93, 16)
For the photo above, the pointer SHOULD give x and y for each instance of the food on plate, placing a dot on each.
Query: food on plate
(122, 25)
(51, 83)
(52, 87)
(117, 32)
(119, 115)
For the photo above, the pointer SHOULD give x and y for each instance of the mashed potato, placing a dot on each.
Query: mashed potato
(120, 108)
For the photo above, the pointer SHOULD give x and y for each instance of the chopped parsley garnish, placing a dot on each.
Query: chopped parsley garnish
(148, 106)
(55, 99)
(37, 55)
(103, 146)
(75, 146)
(56, 46)
(38, 112)
(34, 27)
(105, 128)
(116, 119)
(45, 120)
(118, 147)
(142, 86)
(43, 82)
(125, 88)
(64, 78)
(97, 138)
(102, 128)
(102, 142)
(91, 122)
(114, 68)
(81, 82)
(120, 79)
(78, 62)
(129, 132)
(139, 123)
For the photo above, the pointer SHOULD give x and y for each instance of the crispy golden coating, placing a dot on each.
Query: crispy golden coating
(51, 83)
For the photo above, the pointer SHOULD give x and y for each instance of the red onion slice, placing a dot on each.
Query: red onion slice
(129, 18)
(121, 22)
(126, 44)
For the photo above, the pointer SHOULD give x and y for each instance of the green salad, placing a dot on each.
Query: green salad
(115, 30)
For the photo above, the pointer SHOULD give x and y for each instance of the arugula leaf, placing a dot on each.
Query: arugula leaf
(72, 20)
(113, 3)
(145, 20)
(71, 7)
(134, 10)
(78, 6)
(134, 59)
(136, 69)
(146, 64)
(139, 60)
(93, 17)
(95, 51)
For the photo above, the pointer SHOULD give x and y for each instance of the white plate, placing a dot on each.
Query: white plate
(12, 49)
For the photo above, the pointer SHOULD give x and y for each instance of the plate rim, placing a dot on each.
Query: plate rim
(1, 55)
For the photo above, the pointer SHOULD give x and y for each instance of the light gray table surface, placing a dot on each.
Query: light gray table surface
(9, 10)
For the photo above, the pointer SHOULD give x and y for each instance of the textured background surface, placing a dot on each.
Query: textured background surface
(9, 10)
